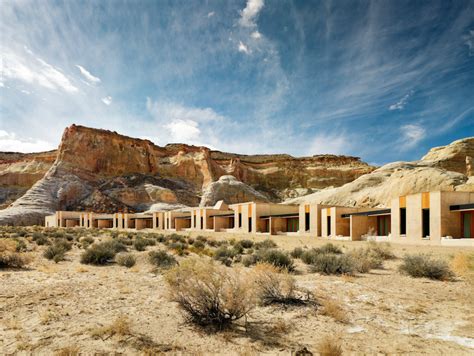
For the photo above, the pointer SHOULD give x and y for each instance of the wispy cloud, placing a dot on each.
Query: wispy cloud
(243, 48)
(329, 144)
(401, 103)
(88, 75)
(250, 13)
(469, 42)
(107, 100)
(30, 69)
(10, 142)
(210, 14)
(411, 135)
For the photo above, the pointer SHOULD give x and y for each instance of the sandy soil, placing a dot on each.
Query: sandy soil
(49, 307)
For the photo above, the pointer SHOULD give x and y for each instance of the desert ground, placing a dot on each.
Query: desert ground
(70, 308)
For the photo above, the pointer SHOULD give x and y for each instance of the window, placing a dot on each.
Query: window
(467, 224)
(403, 221)
(240, 219)
(383, 225)
(231, 222)
(202, 222)
(292, 225)
(157, 222)
(329, 225)
(306, 221)
(426, 222)
(250, 224)
(194, 221)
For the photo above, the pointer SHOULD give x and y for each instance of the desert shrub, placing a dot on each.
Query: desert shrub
(330, 346)
(178, 247)
(211, 295)
(265, 244)
(161, 259)
(115, 246)
(297, 252)
(140, 244)
(125, 240)
(86, 241)
(121, 326)
(419, 266)
(99, 254)
(201, 238)
(40, 241)
(9, 257)
(245, 243)
(212, 243)
(161, 238)
(277, 288)
(277, 258)
(178, 238)
(329, 263)
(21, 246)
(57, 251)
(191, 241)
(249, 260)
(37, 235)
(237, 248)
(126, 259)
(329, 248)
(334, 309)
(381, 249)
(199, 244)
(365, 259)
(224, 255)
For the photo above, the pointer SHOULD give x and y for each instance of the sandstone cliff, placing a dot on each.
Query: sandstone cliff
(103, 171)
(443, 168)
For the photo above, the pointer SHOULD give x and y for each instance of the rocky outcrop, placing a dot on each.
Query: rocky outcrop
(443, 168)
(231, 191)
(103, 171)
(19, 171)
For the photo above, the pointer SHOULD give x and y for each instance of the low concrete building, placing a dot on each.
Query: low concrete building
(216, 218)
(178, 220)
(334, 225)
(63, 219)
(265, 218)
(445, 218)
(373, 224)
(310, 219)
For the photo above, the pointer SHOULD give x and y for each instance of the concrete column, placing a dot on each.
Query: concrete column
(302, 220)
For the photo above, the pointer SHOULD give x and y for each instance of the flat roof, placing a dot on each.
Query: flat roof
(292, 215)
(368, 213)
(221, 215)
(183, 217)
(469, 206)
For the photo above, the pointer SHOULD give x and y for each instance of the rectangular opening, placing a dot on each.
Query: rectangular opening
(383, 225)
(266, 225)
(250, 224)
(202, 223)
(403, 221)
(292, 224)
(467, 221)
(240, 219)
(157, 222)
(329, 225)
(231, 222)
(306, 221)
(194, 221)
(426, 222)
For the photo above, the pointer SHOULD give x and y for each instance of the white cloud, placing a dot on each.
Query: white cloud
(210, 14)
(9, 142)
(470, 42)
(2, 85)
(400, 105)
(329, 144)
(243, 48)
(25, 92)
(184, 130)
(107, 100)
(167, 110)
(256, 35)
(411, 135)
(34, 71)
(88, 75)
(250, 13)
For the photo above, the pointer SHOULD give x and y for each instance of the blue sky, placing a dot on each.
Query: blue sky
(383, 80)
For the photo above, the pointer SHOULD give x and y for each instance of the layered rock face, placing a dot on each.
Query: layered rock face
(446, 168)
(103, 171)
(19, 171)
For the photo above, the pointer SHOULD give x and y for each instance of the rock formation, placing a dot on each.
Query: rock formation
(443, 168)
(103, 171)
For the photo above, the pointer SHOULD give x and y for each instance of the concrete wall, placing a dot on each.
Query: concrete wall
(277, 225)
(50, 221)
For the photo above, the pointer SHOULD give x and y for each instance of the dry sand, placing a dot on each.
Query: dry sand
(50, 307)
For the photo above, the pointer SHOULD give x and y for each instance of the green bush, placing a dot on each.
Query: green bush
(161, 259)
(330, 248)
(86, 241)
(199, 245)
(277, 258)
(55, 253)
(224, 255)
(99, 254)
(365, 259)
(126, 259)
(140, 244)
(265, 244)
(115, 245)
(178, 238)
(423, 266)
(297, 252)
(245, 243)
(21, 246)
(249, 260)
(178, 247)
(309, 256)
(330, 263)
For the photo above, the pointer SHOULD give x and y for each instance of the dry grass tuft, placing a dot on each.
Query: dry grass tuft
(330, 346)
(68, 351)
(9, 257)
(461, 264)
(120, 327)
(334, 310)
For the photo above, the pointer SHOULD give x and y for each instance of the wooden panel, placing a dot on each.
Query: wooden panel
(250, 210)
(425, 200)
(239, 209)
(403, 202)
(306, 208)
(328, 211)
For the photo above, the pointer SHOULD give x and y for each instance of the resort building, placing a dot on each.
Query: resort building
(265, 218)
(63, 219)
(310, 219)
(178, 220)
(216, 218)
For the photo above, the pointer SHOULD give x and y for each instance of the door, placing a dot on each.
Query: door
(467, 221)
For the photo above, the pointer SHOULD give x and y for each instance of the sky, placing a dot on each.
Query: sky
(382, 80)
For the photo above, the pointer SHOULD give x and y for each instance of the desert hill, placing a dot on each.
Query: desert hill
(447, 168)
(104, 171)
